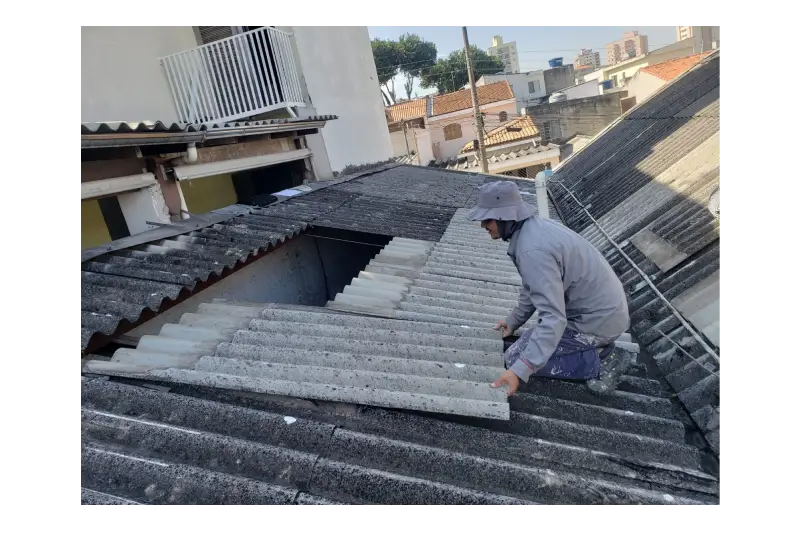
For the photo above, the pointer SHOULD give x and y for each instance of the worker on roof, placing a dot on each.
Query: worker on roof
(581, 303)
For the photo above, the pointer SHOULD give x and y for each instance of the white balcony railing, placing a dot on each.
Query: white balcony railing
(234, 78)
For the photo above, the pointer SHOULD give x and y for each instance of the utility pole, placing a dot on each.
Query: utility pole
(475, 106)
(405, 136)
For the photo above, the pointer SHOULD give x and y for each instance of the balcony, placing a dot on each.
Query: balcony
(234, 78)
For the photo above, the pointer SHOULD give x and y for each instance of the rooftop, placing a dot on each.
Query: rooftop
(416, 108)
(462, 99)
(669, 70)
(514, 130)
(652, 198)
(222, 430)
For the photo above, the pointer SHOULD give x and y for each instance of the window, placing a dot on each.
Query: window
(503, 116)
(533, 86)
(452, 131)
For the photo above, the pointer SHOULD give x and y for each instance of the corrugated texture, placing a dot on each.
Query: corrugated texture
(416, 184)
(652, 175)
(92, 128)
(308, 354)
(415, 108)
(515, 130)
(669, 70)
(470, 162)
(460, 100)
(401, 201)
(562, 445)
(116, 288)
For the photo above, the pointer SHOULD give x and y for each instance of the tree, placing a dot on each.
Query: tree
(450, 74)
(417, 54)
(388, 58)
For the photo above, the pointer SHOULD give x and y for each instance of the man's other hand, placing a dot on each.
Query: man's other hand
(503, 326)
(509, 379)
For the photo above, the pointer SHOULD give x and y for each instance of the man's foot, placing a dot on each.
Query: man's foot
(611, 370)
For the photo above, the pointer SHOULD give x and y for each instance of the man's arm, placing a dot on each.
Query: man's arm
(543, 275)
(522, 312)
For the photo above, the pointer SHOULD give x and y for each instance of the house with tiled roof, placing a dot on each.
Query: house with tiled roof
(437, 127)
(513, 149)
(652, 78)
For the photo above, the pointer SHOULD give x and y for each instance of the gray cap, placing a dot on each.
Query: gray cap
(500, 200)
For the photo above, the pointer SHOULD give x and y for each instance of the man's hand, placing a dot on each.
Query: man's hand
(509, 379)
(503, 326)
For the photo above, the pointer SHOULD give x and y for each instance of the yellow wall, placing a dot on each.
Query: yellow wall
(94, 231)
(206, 194)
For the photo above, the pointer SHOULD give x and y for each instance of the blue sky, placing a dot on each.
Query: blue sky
(535, 44)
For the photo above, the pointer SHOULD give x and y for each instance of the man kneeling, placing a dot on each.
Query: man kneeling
(581, 302)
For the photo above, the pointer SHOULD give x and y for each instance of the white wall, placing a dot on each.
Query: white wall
(584, 90)
(341, 79)
(519, 85)
(425, 149)
(399, 143)
(468, 133)
(121, 77)
(643, 85)
(143, 205)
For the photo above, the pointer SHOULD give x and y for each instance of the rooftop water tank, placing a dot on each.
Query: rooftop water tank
(556, 62)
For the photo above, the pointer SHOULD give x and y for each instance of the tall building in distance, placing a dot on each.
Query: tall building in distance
(705, 37)
(631, 45)
(587, 58)
(683, 32)
(507, 52)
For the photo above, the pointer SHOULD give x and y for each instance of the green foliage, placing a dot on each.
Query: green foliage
(450, 74)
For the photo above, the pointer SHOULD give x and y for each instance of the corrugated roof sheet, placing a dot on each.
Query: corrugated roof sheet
(669, 70)
(498, 155)
(97, 128)
(120, 288)
(194, 445)
(460, 100)
(515, 130)
(416, 108)
(652, 174)
(200, 439)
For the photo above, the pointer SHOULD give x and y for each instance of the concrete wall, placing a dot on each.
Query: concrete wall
(468, 132)
(584, 90)
(121, 77)
(142, 206)
(583, 116)
(399, 142)
(558, 78)
(341, 79)
(424, 146)
(206, 194)
(643, 85)
(94, 231)
(291, 274)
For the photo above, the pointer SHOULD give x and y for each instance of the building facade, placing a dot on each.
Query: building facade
(630, 46)
(705, 38)
(587, 58)
(180, 121)
(526, 86)
(506, 52)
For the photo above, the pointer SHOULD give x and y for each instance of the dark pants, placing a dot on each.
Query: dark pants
(577, 356)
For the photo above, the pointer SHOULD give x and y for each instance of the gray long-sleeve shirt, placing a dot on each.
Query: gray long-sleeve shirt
(569, 282)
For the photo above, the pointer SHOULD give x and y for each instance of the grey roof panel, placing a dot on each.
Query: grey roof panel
(655, 170)
(91, 128)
